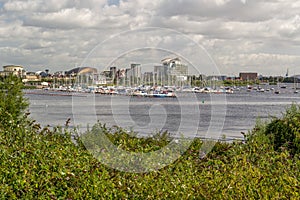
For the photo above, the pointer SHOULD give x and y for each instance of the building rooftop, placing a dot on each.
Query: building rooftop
(82, 70)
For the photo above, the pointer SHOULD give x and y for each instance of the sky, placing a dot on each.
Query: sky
(214, 36)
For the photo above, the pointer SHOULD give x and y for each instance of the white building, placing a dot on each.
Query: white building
(12, 69)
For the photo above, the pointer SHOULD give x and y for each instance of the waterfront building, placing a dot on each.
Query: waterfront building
(177, 72)
(148, 78)
(161, 74)
(12, 69)
(248, 76)
(81, 71)
(176, 67)
(85, 76)
(121, 76)
(105, 78)
(218, 78)
(134, 74)
(113, 74)
(121, 73)
(31, 77)
(42, 74)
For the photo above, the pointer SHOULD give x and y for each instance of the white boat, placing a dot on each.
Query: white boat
(153, 93)
(261, 90)
(139, 93)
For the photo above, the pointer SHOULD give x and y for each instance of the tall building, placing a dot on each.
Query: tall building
(113, 72)
(161, 71)
(134, 75)
(148, 77)
(136, 71)
(176, 67)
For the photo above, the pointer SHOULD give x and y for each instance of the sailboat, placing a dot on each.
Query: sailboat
(277, 90)
(295, 87)
(287, 74)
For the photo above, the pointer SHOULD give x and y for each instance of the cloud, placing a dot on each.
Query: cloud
(291, 27)
(239, 35)
(64, 19)
(234, 10)
(21, 5)
(50, 5)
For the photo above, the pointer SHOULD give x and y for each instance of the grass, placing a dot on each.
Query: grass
(38, 163)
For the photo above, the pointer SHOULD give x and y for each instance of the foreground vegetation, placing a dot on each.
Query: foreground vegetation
(36, 162)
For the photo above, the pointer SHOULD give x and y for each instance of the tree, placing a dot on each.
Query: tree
(12, 103)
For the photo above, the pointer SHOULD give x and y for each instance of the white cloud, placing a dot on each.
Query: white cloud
(64, 19)
(240, 35)
(21, 5)
(51, 5)
(291, 27)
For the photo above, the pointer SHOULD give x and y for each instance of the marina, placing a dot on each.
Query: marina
(161, 91)
(146, 115)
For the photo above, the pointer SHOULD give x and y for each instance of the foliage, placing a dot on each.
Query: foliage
(49, 163)
(238, 83)
(12, 102)
(285, 132)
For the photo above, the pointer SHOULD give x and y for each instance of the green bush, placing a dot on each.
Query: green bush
(47, 164)
(285, 132)
(12, 104)
(44, 163)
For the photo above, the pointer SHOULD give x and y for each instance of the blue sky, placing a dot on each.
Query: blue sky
(113, 2)
(259, 35)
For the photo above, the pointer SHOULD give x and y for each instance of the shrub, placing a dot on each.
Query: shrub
(12, 104)
(40, 163)
(284, 133)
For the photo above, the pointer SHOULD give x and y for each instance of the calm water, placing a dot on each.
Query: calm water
(189, 114)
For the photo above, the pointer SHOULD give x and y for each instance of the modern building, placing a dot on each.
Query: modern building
(136, 70)
(176, 67)
(84, 75)
(105, 77)
(176, 72)
(81, 71)
(113, 72)
(134, 74)
(42, 74)
(161, 71)
(121, 75)
(171, 61)
(148, 78)
(110, 76)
